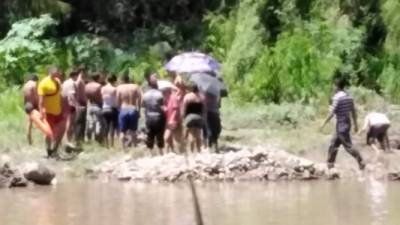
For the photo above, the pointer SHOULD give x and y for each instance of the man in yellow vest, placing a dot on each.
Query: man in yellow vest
(49, 91)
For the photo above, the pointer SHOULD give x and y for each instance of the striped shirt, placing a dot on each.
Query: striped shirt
(342, 106)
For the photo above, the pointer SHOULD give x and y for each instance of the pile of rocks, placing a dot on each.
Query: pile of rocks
(20, 176)
(11, 177)
(242, 165)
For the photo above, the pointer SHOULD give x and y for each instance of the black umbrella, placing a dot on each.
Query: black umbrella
(209, 84)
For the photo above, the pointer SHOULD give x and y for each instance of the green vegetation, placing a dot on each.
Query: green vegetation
(272, 50)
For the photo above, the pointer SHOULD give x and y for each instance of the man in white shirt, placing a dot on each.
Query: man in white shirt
(377, 126)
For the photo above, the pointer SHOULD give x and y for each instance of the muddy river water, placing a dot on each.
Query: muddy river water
(83, 202)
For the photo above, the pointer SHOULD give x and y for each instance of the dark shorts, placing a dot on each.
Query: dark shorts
(377, 133)
(110, 116)
(155, 131)
(194, 121)
(128, 119)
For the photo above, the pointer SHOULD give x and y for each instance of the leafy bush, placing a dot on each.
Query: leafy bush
(271, 50)
(390, 12)
(301, 64)
(247, 42)
(25, 49)
(390, 80)
(221, 33)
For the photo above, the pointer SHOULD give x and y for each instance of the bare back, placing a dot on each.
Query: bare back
(128, 95)
(30, 93)
(93, 93)
(80, 90)
(109, 95)
(68, 88)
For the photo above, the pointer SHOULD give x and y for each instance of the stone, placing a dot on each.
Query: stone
(38, 173)
(307, 176)
(332, 174)
(10, 177)
(394, 176)
(18, 181)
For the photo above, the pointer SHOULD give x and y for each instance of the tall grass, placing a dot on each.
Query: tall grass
(13, 119)
(254, 116)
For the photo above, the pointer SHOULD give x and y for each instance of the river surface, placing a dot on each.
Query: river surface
(80, 202)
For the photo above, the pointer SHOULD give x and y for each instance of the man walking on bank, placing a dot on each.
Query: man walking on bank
(343, 109)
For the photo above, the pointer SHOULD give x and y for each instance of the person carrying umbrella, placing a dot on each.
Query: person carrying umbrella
(202, 69)
(211, 87)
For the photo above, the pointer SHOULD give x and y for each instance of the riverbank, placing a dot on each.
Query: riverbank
(289, 129)
(234, 164)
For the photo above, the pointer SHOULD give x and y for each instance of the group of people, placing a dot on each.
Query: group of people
(100, 107)
(180, 114)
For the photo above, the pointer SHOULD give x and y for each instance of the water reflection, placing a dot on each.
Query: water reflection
(377, 192)
(280, 203)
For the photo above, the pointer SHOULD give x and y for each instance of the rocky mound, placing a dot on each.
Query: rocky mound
(243, 165)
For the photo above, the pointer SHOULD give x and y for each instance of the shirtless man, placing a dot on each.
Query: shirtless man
(70, 103)
(31, 100)
(94, 117)
(80, 117)
(110, 109)
(129, 99)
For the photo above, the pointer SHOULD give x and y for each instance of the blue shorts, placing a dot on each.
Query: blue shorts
(128, 119)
